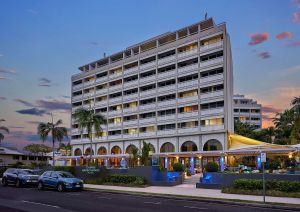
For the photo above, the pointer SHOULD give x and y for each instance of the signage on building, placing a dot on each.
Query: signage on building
(263, 157)
(91, 170)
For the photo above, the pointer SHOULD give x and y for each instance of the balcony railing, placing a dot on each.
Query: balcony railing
(116, 99)
(88, 95)
(148, 65)
(130, 97)
(130, 135)
(148, 92)
(189, 130)
(89, 83)
(211, 62)
(115, 75)
(147, 79)
(114, 125)
(166, 59)
(171, 117)
(212, 128)
(130, 110)
(187, 69)
(115, 136)
(188, 53)
(131, 70)
(115, 87)
(147, 120)
(166, 103)
(130, 122)
(211, 94)
(75, 131)
(147, 134)
(114, 112)
(101, 91)
(211, 78)
(75, 108)
(101, 79)
(76, 98)
(147, 106)
(167, 74)
(166, 132)
(167, 88)
(191, 114)
(188, 84)
(77, 87)
(101, 103)
(212, 111)
(131, 83)
(188, 99)
(211, 46)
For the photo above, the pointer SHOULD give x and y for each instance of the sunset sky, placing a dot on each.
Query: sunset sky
(42, 43)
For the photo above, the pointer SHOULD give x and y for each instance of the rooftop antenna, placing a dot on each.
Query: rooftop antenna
(205, 17)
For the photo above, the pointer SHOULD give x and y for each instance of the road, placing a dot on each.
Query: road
(30, 199)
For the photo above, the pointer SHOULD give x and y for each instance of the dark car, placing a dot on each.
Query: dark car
(59, 180)
(20, 177)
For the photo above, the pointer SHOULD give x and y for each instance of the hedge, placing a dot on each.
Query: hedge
(212, 167)
(70, 169)
(124, 179)
(177, 167)
(253, 184)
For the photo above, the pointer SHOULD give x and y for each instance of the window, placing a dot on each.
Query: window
(147, 101)
(211, 72)
(188, 78)
(188, 109)
(190, 124)
(147, 115)
(166, 127)
(166, 97)
(166, 112)
(166, 69)
(166, 83)
(148, 87)
(212, 105)
(16, 157)
(148, 74)
(188, 93)
(131, 91)
(212, 88)
(211, 122)
(211, 56)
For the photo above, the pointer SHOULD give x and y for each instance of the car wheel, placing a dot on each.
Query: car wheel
(60, 187)
(40, 186)
(18, 183)
(4, 182)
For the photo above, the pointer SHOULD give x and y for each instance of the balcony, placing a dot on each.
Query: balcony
(114, 112)
(115, 87)
(148, 106)
(115, 136)
(167, 88)
(211, 78)
(89, 83)
(131, 84)
(188, 99)
(187, 69)
(147, 134)
(212, 128)
(88, 106)
(130, 122)
(166, 132)
(188, 53)
(148, 92)
(130, 135)
(101, 79)
(147, 79)
(103, 138)
(130, 110)
(212, 111)
(171, 117)
(75, 131)
(189, 130)
(167, 74)
(76, 98)
(114, 125)
(130, 97)
(88, 95)
(193, 114)
(211, 62)
(188, 84)
(166, 103)
(101, 91)
(115, 100)
(148, 65)
(77, 87)
(166, 59)
(131, 70)
(147, 120)
(212, 94)
(116, 75)
(101, 103)
(75, 108)
(211, 46)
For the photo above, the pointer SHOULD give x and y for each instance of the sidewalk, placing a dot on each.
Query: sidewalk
(191, 191)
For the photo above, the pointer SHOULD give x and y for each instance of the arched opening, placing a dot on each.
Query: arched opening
(116, 150)
(189, 146)
(130, 149)
(102, 151)
(167, 147)
(88, 151)
(77, 152)
(212, 145)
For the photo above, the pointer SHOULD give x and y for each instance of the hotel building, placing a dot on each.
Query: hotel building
(174, 91)
(247, 111)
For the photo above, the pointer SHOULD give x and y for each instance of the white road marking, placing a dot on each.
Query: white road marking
(193, 207)
(103, 197)
(155, 203)
(38, 203)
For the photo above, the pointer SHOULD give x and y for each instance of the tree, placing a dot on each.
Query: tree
(37, 148)
(89, 121)
(3, 129)
(66, 148)
(134, 155)
(145, 153)
(244, 129)
(57, 133)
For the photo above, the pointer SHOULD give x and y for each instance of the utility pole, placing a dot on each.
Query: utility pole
(53, 162)
(263, 158)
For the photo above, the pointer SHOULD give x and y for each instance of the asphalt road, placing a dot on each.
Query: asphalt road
(30, 199)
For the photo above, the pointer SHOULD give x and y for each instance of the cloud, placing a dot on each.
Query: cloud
(296, 17)
(257, 38)
(66, 96)
(284, 35)
(24, 102)
(270, 109)
(44, 82)
(264, 55)
(293, 43)
(33, 122)
(2, 98)
(4, 78)
(33, 112)
(94, 43)
(7, 71)
(297, 3)
(54, 105)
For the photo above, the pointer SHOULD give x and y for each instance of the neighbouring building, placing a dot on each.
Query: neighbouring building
(174, 91)
(247, 110)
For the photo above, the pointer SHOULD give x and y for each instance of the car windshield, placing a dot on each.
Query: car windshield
(65, 175)
(27, 172)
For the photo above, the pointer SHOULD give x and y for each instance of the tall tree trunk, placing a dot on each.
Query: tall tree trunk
(53, 161)
(91, 147)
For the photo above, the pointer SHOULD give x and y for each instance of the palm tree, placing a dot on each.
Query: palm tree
(3, 129)
(58, 133)
(66, 148)
(87, 119)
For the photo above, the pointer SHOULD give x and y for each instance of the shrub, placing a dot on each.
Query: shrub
(211, 167)
(272, 164)
(124, 179)
(177, 167)
(65, 169)
(188, 172)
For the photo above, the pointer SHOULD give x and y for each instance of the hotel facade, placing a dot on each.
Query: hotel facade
(174, 91)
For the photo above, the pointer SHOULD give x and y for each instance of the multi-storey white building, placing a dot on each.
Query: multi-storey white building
(174, 91)
(247, 110)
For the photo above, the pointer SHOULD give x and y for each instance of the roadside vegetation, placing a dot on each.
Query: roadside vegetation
(119, 180)
(3, 129)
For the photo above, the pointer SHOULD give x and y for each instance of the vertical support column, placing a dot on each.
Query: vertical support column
(166, 162)
(200, 165)
(192, 164)
(106, 162)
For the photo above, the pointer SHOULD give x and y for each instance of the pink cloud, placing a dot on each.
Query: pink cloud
(284, 35)
(296, 17)
(264, 55)
(294, 43)
(257, 38)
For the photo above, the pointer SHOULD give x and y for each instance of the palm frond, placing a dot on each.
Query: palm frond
(4, 129)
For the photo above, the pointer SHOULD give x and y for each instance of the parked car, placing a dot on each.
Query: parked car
(20, 177)
(59, 180)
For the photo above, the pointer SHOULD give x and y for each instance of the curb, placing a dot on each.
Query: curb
(237, 202)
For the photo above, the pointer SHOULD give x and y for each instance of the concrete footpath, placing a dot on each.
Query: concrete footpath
(192, 191)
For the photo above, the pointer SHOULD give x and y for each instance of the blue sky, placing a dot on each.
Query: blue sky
(42, 43)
